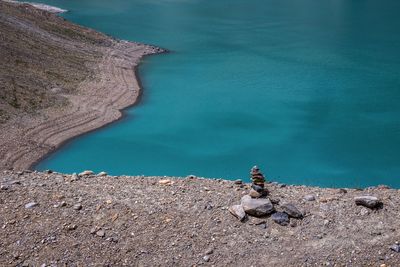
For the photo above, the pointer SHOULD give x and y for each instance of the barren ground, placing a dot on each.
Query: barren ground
(146, 223)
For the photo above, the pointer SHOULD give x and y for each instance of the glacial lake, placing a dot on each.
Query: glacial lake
(307, 90)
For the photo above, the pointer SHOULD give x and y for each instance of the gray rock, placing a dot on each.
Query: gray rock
(31, 205)
(238, 181)
(342, 191)
(257, 206)
(60, 204)
(263, 226)
(238, 212)
(86, 173)
(209, 206)
(309, 198)
(364, 212)
(102, 174)
(395, 248)
(258, 188)
(368, 201)
(209, 251)
(100, 233)
(292, 211)
(77, 206)
(280, 218)
(71, 227)
(4, 187)
(74, 177)
(206, 258)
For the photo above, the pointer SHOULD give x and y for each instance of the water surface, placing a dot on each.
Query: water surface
(309, 90)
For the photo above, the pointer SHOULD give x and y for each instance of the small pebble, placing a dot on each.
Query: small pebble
(31, 205)
(309, 198)
(263, 226)
(209, 251)
(4, 187)
(395, 248)
(100, 233)
(71, 227)
(77, 206)
(206, 258)
(61, 204)
(364, 211)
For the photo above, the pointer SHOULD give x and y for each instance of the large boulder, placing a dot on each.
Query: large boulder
(257, 206)
(238, 212)
(292, 211)
(368, 201)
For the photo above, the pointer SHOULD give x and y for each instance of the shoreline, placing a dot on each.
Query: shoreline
(137, 101)
(98, 100)
(113, 115)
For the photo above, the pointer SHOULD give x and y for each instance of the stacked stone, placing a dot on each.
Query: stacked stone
(257, 178)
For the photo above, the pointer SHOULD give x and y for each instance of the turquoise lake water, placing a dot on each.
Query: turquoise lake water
(308, 90)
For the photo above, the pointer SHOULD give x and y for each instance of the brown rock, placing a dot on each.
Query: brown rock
(254, 194)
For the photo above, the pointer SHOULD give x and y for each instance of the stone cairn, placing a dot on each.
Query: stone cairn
(257, 204)
(258, 183)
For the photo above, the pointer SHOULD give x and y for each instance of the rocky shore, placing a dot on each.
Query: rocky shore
(53, 219)
(60, 80)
